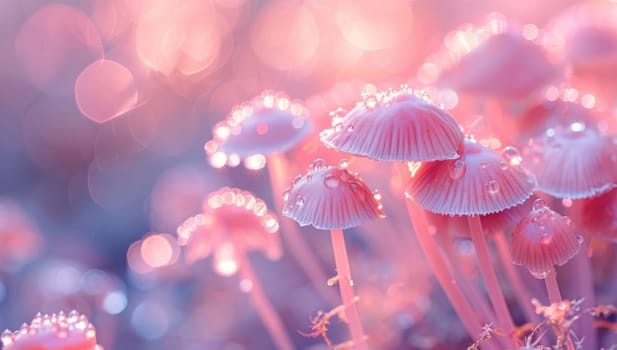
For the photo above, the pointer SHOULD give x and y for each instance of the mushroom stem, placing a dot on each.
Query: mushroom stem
(469, 288)
(504, 318)
(554, 296)
(345, 283)
(439, 266)
(266, 311)
(520, 291)
(278, 170)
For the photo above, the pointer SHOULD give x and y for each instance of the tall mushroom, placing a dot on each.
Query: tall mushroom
(234, 222)
(331, 198)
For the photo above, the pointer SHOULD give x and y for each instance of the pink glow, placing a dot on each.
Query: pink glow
(54, 45)
(105, 90)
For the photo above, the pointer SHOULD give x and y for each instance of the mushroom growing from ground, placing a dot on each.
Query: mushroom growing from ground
(258, 133)
(480, 182)
(234, 222)
(331, 198)
(542, 240)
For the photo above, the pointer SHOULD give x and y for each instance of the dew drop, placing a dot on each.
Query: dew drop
(503, 165)
(566, 202)
(567, 220)
(540, 274)
(331, 181)
(300, 201)
(286, 194)
(309, 177)
(370, 101)
(483, 165)
(349, 128)
(512, 156)
(580, 239)
(458, 169)
(492, 187)
(343, 163)
(539, 204)
(317, 163)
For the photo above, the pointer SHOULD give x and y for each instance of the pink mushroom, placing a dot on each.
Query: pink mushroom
(495, 58)
(396, 125)
(574, 161)
(542, 240)
(264, 129)
(331, 198)
(234, 222)
(53, 332)
(480, 182)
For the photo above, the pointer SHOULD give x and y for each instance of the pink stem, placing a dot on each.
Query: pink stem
(504, 318)
(439, 266)
(520, 291)
(266, 311)
(554, 296)
(345, 283)
(278, 170)
(468, 287)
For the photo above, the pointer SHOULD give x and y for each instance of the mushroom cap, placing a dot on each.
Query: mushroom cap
(573, 162)
(587, 34)
(505, 65)
(542, 240)
(551, 114)
(330, 198)
(53, 332)
(268, 124)
(599, 216)
(505, 221)
(399, 125)
(231, 217)
(480, 182)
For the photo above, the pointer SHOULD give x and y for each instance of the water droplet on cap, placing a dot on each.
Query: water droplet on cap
(331, 181)
(539, 204)
(300, 201)
(580, 239)
(458, 169)
(492, 187)
(343, 163)
(512, 156)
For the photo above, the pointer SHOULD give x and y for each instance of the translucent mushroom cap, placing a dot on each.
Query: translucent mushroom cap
(503, 221)
(497, 58)
(572, 162)
(329, 197)
(268, 124)
(480, 182)
(395, 125)
(53, 332)
(542, 240)
(585, 35)
(554, 113)
(231, 219)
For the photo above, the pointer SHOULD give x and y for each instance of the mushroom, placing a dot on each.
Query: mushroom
(234, 222)
(480, 182)
(258, 133)
(542, 240)
(331, 198)
(53, 332)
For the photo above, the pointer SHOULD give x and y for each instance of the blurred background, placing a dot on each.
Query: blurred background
(105, 107)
